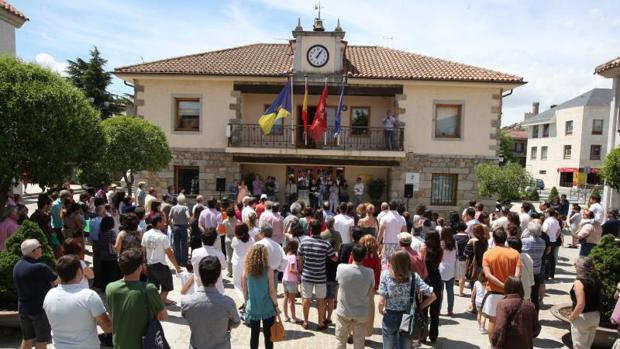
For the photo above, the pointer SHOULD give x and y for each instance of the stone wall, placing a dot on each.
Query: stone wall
(213, 163)
(426, 165)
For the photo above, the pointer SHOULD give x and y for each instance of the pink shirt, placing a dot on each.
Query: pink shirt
(7, 228)
(275, 221)
(210, 218)
(289, 276)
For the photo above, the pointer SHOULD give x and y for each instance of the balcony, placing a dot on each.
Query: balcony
(351, 139)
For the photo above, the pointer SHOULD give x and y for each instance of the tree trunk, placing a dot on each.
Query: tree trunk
(129, 183)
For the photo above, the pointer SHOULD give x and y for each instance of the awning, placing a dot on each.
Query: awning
(582, 170)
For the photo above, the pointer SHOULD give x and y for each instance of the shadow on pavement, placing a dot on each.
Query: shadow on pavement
(453, 344)
(444, 321)
(556, 291)
(547, 343)
(554, 323)
(292, 335)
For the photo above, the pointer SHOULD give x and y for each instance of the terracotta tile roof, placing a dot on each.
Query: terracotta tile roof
(518, 134)
(371, 62)
(614, 63)
(12, 10)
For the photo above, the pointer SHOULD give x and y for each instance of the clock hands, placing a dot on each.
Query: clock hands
(318, 54)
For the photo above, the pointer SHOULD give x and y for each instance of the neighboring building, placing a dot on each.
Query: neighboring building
(568, 142)
(611, 70)
(208, 104)
(10, 18)
(518, 135)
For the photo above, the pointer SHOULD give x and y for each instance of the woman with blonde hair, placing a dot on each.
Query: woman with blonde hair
(252, 226)
(372, 261)
(369, 224)
(260, 299)
(361, 210)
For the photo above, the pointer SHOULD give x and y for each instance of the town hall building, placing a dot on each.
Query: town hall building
(208, 104)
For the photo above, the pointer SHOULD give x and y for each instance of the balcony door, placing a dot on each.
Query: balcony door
(331, 120)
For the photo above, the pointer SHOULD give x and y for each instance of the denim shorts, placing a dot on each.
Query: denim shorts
(35, 327)
(332, 290)
(290, 287)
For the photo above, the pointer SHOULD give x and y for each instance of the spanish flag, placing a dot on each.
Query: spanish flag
(280, 108)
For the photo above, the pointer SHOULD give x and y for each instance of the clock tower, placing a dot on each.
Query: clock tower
(318, 53)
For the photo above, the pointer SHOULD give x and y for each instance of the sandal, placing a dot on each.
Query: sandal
(169, 302)
(305, 325)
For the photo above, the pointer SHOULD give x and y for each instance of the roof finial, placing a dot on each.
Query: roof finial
(298, 27)
(338, 29)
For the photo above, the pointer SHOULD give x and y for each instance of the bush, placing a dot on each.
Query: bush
(553, 195)
(530, 194)
(376, 188)
(12, 254)
(606, 258)
(611, 169)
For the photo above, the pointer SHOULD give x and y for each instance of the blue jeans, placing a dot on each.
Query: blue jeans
(179, 234)
(389, 139)
(393, 338)
(449, 286)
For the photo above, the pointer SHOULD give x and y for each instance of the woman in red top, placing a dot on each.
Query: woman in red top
(372, 261)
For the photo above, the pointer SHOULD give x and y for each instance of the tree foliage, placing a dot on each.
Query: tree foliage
(92, 78)
(376, 188)
(506, 147)
(606, 258)
(133, 144)
(47, 127)
(504, 182)
(611, 169)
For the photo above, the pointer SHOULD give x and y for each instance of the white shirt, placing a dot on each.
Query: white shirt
(84, 282)
(551, 226)
(381, 214)
(245, 213)
(200, 253)
(156, 244)
(276, 254)
(524, 220)
(71, 311)
(470, 225)
(500, 222)
(598, 211)
(240, 249)
(480, 292)
(417, 243)
(393, 225)
(186, 276)
(343, 224)
(527, 275)
(358, 189)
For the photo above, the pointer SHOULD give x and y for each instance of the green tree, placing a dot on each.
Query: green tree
(611, 169)
(92, 78)
(134, 145)
(47, 127)
(506, 147)
(553, 195)
(505, 182)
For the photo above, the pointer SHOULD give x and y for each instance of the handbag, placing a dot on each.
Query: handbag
(277, 330)
(413, 322)
(471, 267)
(153, 337)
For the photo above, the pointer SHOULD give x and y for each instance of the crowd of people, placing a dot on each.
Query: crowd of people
(339, 255)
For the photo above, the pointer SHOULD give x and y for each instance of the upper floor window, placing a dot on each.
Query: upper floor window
(567, 152)
(568, 129)
(533, 153)
(543, 153)
(535, 131)
(360, 119)
(187, 114)
(545, 130)
(595, 152)
(448, 120)
(597, 127)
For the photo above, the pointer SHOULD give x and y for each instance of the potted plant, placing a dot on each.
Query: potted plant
(376, 188)
(8, 259)
(606, 258)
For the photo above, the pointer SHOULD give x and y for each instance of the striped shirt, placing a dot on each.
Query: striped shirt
(314, 252)
(534, 246)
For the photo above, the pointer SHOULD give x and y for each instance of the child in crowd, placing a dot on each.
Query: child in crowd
(187, 280)
(290, 279)
(477, 296)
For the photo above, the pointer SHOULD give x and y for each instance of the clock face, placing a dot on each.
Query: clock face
(318, 56)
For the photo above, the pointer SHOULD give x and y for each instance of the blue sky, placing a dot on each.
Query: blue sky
(553, 44)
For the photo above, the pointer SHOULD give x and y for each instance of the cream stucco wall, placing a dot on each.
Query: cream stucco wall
(7, 38)
(215, 95)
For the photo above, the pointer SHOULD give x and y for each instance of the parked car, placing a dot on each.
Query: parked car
(540, 184)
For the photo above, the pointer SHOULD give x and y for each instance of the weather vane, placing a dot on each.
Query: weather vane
(317, 6)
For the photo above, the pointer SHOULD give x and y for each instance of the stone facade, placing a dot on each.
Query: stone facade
(212, 163)
(426, 165)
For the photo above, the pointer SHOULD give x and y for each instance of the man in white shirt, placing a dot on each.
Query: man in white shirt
(385, 208)
(208, 249)
(343, 223)
(199, 203)
(596, 208)
(358, 191)
(390, 226)
(248, 203)
(502, 220)
(273, 219)
(157, 245)
(472, 204)
(470, 221)
(552, 228)
(210, 217)
(276, 253)
(74, 311)
(524, 216)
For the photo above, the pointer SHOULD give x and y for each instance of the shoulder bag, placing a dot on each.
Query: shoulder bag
(413, 322)
(153, 337)
(471, 266)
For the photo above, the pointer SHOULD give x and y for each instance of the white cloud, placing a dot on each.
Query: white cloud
(595, 12)
(48, 61)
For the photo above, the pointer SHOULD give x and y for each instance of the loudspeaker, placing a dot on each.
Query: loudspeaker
(220, 184)
(408, 191)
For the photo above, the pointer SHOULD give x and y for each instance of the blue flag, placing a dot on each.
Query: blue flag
(337, 123)
(280, 108)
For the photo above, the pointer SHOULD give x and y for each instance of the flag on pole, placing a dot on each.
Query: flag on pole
(337, 123)
(280, 108)
(319, 124)
(304, 108)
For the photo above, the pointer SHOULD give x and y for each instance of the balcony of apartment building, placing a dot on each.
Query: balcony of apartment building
(361, 132)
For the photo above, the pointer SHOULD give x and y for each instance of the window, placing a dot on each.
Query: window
(568, 128)
(542, 172)
(518, 147)
(535, 131)
(567, 152)
(545, 130)
(186, 178)
(533, 153)
(278, 126)
(595, 152)
(597, 127)
(448, 121)
(543, 153)
(187, 114)
(360, 119)
(443, 189)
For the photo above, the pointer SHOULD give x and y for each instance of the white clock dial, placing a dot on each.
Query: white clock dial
(318, 56)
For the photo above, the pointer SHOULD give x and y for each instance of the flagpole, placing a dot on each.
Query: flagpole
(292, 113)
(324, 112)
(306, 102)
